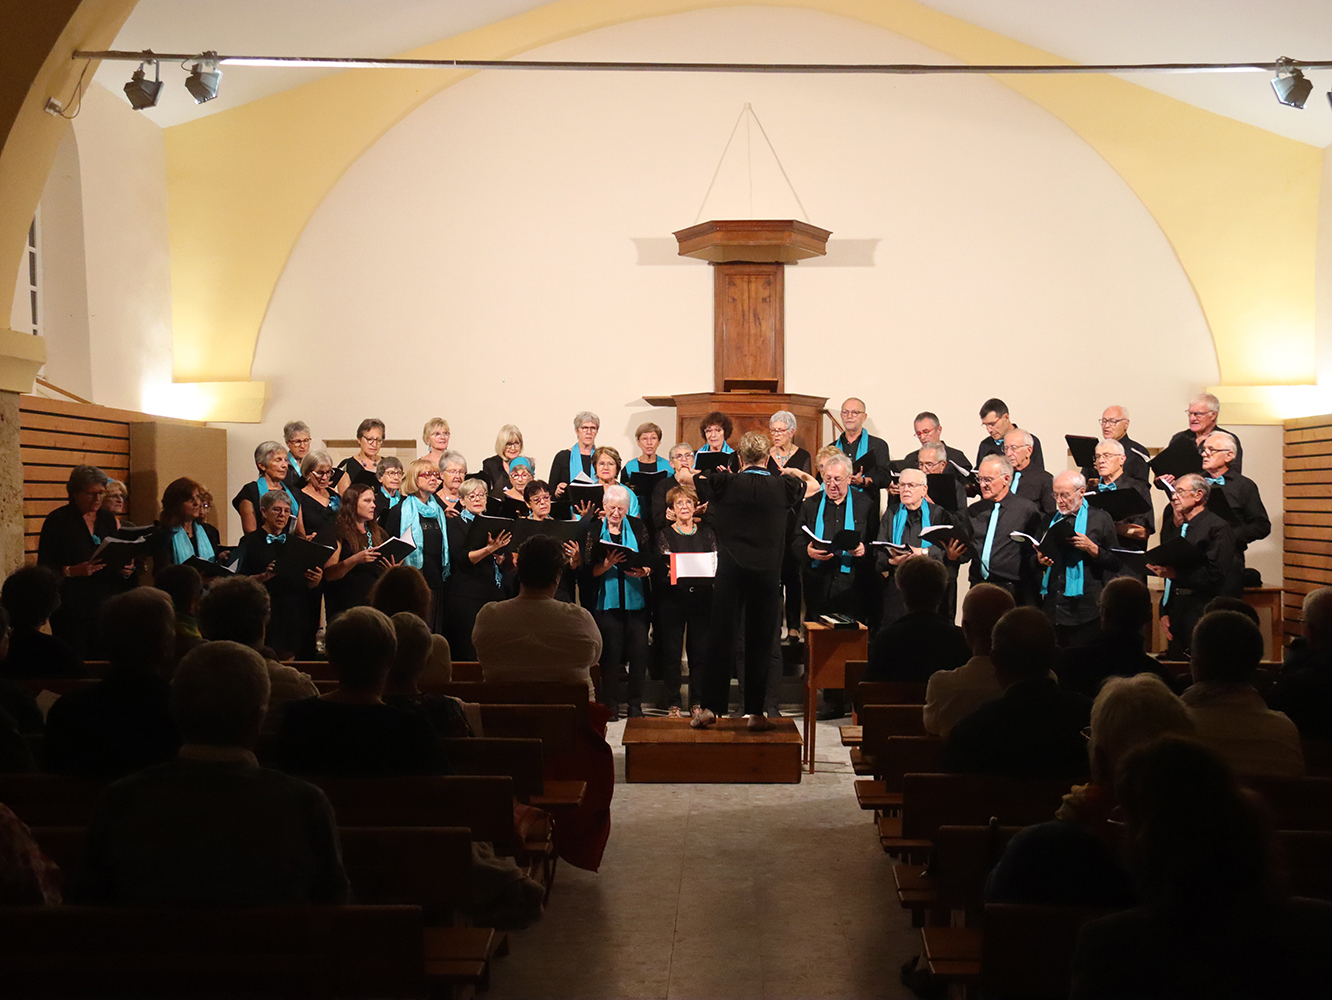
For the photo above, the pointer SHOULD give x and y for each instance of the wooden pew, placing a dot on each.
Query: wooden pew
(1296, 803)
(322, 670)
(1027, 951)
(898, 756)
(482, 803)
(268, 952)
(878, 724)
(554, 725)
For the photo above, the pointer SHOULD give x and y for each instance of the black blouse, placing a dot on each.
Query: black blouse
(320, 520)
(250, 492)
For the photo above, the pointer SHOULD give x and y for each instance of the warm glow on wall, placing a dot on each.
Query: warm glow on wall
(215, 402)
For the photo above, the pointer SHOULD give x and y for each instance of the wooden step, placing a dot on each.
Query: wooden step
(668, 750)
(852, 735)
(874, 795)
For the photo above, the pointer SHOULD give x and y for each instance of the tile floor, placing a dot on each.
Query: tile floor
(723, 891)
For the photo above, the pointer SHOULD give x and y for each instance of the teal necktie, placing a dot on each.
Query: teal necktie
(1017, 478)
(1169, 584)
(989, 542)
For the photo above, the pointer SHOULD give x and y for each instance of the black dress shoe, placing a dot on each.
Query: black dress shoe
(636, 711)
(829, 712)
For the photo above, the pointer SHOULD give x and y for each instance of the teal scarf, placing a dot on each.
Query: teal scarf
(631, 587)
(1074, 567)
(900, 520)
(862, 445)
(393, 498)
(576, 466)
(634, 465)
(848, 523)
(291, 498)
(412, 512)
(1169, 584)
(182, 549)
(726, 449)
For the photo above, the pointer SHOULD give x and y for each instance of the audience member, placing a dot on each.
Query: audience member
(404, 588)
(184, 586)
(122, 723)
(1074, 860)
(920, 642)
(212, 827)
(1231, 716)
(1215, 922)
(534, 636)
(1035, 729)
(31, 595)
(952, 695)
(1119, 648)
(27, 876)
(444, 712)
(1227, 603)
(17, 701)
(238, 610)
(351, 730)
(1304, 689)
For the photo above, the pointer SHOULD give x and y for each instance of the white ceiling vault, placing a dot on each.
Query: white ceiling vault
(1084, 31)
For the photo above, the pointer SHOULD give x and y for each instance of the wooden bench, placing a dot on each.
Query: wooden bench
(269, 952)
(878, 724)
(322, 670)
(1027, 951)
(429, 867)
(898, 756)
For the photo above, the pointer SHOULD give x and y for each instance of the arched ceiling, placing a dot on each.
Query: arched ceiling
(1089, 31)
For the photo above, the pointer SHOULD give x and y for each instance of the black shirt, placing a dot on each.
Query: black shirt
(748, 511)
(914, 647)
(1220, 571)
(1008, 558)
(332, 738)
(117, 726)
(1035, 485)
(989, 446)
(34, 655)
(1033, 731)
(1237, 466)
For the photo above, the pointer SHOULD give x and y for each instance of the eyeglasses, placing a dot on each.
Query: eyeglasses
(990, 425)
(1216, 451)
(852, 413)
(1067, 496)
(1111, 421)
(429, 475)
(987, 480)
(1199, 413)
(370, 440)
(912, 486)
(298, 442)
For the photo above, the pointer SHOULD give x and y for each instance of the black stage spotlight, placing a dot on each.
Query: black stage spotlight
(1290, 85)
(142, 93)
(204, 78)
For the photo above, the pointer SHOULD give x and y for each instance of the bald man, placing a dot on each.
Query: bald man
(1114, 427)
(868, 453)
(1243, 509)
(1029, 482)
(1071, 580)
(995, 556)
(911, 512)
(1134, 530)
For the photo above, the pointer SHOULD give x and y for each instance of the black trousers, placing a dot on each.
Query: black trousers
(758, 594)
(1184, 610)
(792, 585)
(459, 619)
(684, 619)
(623, 633)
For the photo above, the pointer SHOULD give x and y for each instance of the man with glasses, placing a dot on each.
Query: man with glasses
(868, 453)
(1186, 594)
(928, 430)
(835, 582)
(1243, 509)
(1029, 482)
(995, 556)
(1134, 530)
(1114, 427)
(901, 525)
(1203, 412)
(932, 459)
(995, 420)
(1070, 582)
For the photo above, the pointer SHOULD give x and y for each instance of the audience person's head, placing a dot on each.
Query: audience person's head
(1316, 619)
(1227, 648)
(401, 588)
(1195, 840)
(982, 608)
(138, 630)
(183, 585)
(1227, 603)
(219, 695)
(361, 644)
(1128, 712)
(541, 560)
(923, 582)
(1126, 606)
(413, 653)
(1023, 646)
(31, 595)
(236, 610)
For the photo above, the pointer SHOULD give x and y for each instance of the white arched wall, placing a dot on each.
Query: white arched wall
(502, 253)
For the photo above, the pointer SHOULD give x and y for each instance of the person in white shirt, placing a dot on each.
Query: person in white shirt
(951, 695)
(534, 637)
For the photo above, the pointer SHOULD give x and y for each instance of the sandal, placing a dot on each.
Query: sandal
(702, 717)
(674, 712)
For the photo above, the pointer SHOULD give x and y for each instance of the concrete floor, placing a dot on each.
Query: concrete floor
(723, 891)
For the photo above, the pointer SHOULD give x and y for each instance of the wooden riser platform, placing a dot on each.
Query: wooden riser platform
(725, 752)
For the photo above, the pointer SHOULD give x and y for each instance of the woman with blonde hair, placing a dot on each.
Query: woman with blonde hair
(508, 446)
(435, 436)
(420, 517)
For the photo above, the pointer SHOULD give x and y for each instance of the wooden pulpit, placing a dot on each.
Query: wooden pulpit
(749, 258)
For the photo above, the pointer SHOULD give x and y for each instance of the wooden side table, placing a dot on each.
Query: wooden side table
(826, 652)
(1259, 598)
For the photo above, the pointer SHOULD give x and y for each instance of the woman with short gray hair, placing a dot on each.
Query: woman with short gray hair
(270, 458)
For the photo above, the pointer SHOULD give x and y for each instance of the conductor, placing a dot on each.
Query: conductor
(748, 510)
